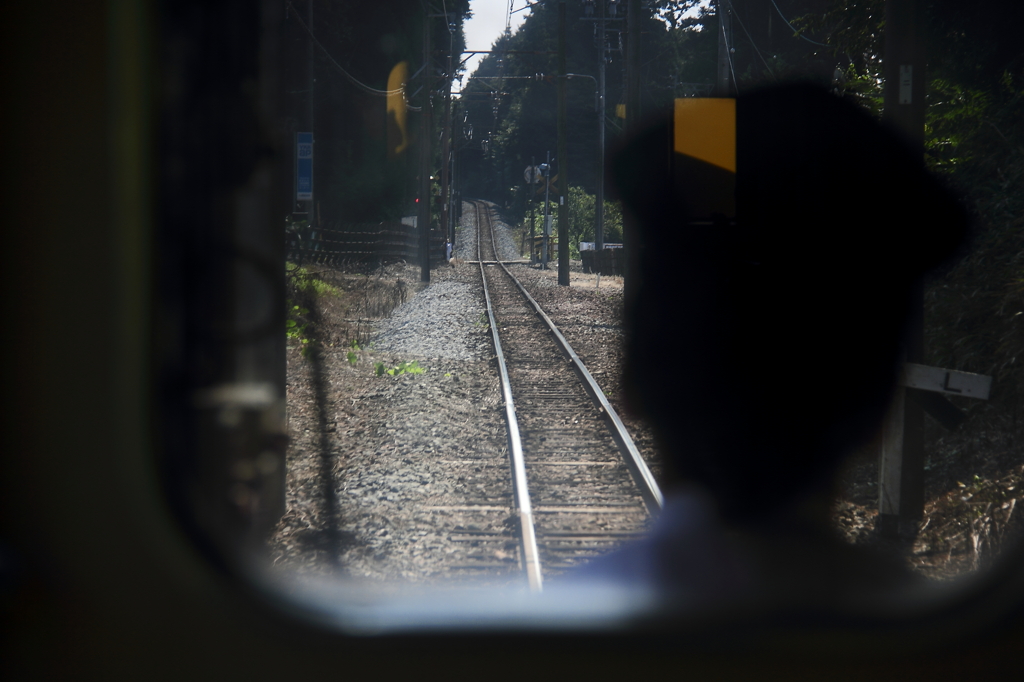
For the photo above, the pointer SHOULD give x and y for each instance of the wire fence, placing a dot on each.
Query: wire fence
(334, 244)
(608, 261)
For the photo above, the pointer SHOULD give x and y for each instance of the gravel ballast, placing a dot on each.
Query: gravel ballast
(375, 494)
(439, 322)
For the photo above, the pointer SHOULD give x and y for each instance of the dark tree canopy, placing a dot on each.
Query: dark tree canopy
(355, 180)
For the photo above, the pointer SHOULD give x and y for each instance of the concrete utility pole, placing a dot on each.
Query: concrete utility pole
(311, 214)
(901, 469)
(602, 58)
(726, 82)
(446, 150)
(547, 214)
(631, 242)
(423, 216)
(600, 28)
(563, 158)
(533, 202)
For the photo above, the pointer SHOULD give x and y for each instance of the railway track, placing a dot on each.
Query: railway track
(580, 486)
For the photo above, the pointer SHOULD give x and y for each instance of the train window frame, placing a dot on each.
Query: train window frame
(106, 571)
(251, 397)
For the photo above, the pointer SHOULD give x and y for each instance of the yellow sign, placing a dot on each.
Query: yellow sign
(620, 111)
(705, 129)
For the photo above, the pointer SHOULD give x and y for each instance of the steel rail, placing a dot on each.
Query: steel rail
(520, 488)
(638, 469)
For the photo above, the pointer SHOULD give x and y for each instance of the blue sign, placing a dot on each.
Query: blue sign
(304, 166)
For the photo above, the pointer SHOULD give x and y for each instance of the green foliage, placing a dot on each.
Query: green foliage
(296, 326)
(303, 281)
(954, 113)
(352, 358)
(583, 220)
(519, 124)
(406, 368)
(975, 313)
(974, 139)
(380, 369)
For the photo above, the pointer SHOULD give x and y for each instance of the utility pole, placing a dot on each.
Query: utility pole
(726, 85)
(631, 242)
(547, 214)
(602, 58)
(311, 215)
(423, 217)
(563, 158)
(533, 202)
(446, 150)
(601, 39)
(901, 465)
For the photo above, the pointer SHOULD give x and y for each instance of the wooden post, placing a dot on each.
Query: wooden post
(890, 466)
(904, 109)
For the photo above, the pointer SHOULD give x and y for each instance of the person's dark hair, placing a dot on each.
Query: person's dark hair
(764, 351)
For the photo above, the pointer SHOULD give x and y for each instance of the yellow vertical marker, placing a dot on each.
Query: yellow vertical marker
(705, 128)
(704, 164)
(398, 136)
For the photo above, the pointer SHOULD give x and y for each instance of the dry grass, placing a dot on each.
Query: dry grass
(362, 296)
(582, 280)
(973, 492)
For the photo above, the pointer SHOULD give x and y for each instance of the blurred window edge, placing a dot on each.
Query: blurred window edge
(975, 604)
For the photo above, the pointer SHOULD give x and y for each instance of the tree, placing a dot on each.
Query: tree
(356, 180)
(582, 220)
(974, 138)
(511, 97)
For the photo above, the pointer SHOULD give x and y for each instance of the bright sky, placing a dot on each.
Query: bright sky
(488, 23)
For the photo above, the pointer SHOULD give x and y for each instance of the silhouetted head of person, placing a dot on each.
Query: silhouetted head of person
(765, 349)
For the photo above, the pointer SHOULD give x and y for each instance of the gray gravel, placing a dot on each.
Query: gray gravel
(442, 321)
(408, 481)
(465, 238)
(465, 234)
(445, 320)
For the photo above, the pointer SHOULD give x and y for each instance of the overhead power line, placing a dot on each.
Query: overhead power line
(752, 44)
(794, 29)
(728, 49)
(352, 79)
